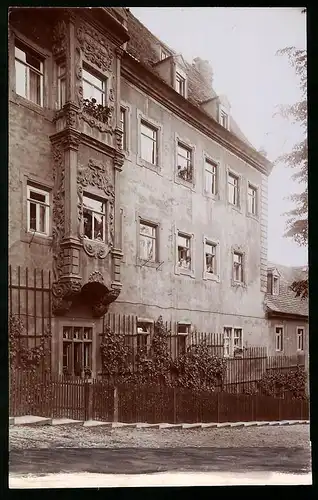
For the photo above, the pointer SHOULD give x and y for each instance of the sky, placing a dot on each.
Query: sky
(241, 46)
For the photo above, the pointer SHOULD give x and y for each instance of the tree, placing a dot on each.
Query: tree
(297, 159)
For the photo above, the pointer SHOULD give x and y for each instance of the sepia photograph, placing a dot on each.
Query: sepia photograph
(158, 329)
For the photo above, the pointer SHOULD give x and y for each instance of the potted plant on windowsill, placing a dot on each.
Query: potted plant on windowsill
(97, 111)
(87, 372)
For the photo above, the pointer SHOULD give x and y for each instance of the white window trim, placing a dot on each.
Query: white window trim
(282, 338)
(257, 189)
(47, 203)
(187, 144)
(179, 270)
(231, 343)
(216, 243)
(104, 78)
(157, 225)
(275, 276)
(82, 324)
(297, 337)
(243, 252)
(217, 162)
(188, 324)
(158, 126)
(128, 111)
(230, 171)
(225, 110)
(105, 201)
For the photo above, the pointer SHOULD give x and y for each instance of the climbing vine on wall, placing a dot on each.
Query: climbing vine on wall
(21, 355)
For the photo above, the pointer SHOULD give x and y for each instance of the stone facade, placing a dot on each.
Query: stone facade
(71, 152)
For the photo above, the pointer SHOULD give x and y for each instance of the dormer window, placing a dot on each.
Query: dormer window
(163, 54)
(273, 282)
(180, 84)
(224, 119)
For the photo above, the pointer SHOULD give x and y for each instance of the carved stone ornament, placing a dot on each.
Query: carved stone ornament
(96, 277)
(100, 307)
(94, 123)
(63, 294)
(78, 76)
(95, 47)
(58, 216)
(96, 175)
(59, 39)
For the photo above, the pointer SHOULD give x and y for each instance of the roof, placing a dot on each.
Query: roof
(286, 302)
(144, 46)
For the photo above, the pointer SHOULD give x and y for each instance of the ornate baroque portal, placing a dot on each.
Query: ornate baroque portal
(97, 284)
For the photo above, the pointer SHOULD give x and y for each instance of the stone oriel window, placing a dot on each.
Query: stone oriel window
(94, 218)
(29, 73)
(38, 210)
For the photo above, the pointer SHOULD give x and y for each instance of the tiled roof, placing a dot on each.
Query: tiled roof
(286, 302)
(144, 46)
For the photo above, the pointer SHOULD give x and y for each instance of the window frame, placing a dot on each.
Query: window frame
(231, 343)
(154, 226)
(91, 342)
(180, 84)
(275, 279)
(127, 142)
(234, 175)
(186, 144)
(147, 335)
(281, 336)
(100, 199)
(182, 335)
(155, 125)
(25, 46)
(47, 204)
(147, 125)
(101, 77)
(214, 165)
(302, 329)
(140, 219)
(241, 264)
(179, 270)
(216, 244)
(224, 111)
(255, 188)
(59, 78)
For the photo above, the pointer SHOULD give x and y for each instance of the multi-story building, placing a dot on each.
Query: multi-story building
(131, 181)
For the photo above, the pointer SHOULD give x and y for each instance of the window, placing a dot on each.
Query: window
(252, 200)
(279, 338)
(147, 241)
(28, 74)
(233, 189)
(123, 127)
(38, 210)
(224, 119)
(233, 341)
(238, 267)
(184, 162)
(94, 87)
(180, 84)
(300, 339)
(149, 143)
(77, 351)
(275, 285)
(184, 251)
(163, 54)
(143, 334)
(210, 258)
(61, 85)
(210, 177)
(94, 212)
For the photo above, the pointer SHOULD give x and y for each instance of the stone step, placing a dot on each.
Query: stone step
(32, 420)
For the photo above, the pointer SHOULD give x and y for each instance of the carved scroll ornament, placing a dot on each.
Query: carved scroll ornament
(59, 39)
(95, 47)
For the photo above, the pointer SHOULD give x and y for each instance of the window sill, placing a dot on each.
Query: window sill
(238, 284)
(22, 101)
(237, 208)
(182, 182)
(150, 166)
(211, 277)
(29, 238)
(184, 272)
(145, 263)
(252, 216)
(215, 197)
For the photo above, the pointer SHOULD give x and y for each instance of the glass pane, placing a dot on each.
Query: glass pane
(62, 95)
(181, 344)
(232, 197)
(67, 355)
(148, 149)
(32, 216)
(20, 79)
(87, 333)
(148, 131)
(90, 92)
(61, 70)
(208, 181)
(78, 359)
(98, 227)
(37, 196)
(35, 87)
(183, 328)
(88, 223)
(77, 333)
(33, 61)
(147, 248)
(237, 257)
(93, 79)
(67, 332)
(42, 221)
(20, 54)
(87, 356)
(147, 230)
(94, 204)
(183, 241)
(209, 259)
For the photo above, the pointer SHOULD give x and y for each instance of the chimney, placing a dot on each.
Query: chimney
(205, 70)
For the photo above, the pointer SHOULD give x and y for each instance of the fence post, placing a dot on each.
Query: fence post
(115, 404)
(218, 406)
(279, 408)
(174, 405)
(88, 399)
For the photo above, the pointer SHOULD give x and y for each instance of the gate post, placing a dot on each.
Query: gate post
(115, 404)
(88, 400)
(174, 405)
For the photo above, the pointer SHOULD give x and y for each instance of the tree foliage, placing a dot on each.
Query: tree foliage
(297, 159)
